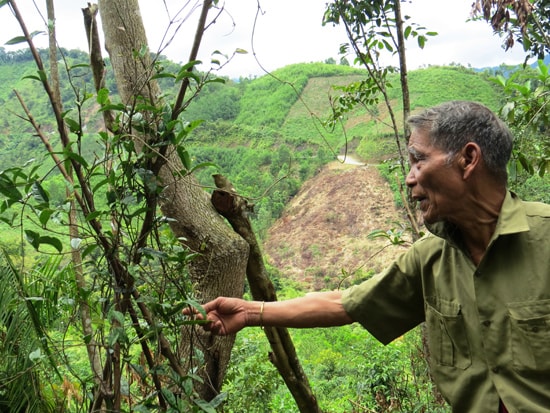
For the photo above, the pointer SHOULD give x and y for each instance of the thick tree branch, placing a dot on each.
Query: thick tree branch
(235, 209)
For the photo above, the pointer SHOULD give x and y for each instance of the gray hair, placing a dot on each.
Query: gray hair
(452, 125)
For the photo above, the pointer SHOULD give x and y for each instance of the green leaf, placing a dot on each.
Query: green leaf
(44, 216)
(79, 65)
(187, 70)
(33, 238)
(205, 406)
(89, 249)
(8, 220)
(153, 253)
(543, 69)
(32, 77)
(111, 196)
(16, 40)
(524, 162)
(169, 397)
(36, 240)
(76, 157)
(190, 65)
(52, 241)
(218, 400)
(543, 166)
(22, 39)
(501, 80)
(40, 194)
(42, 75)
(216, 80)
(421, 41)
(195, 304)
(187, 74)
(138, 368)
(184, 157)
(113, 337)
(73, 125)
(92, 215)
(103, 96)
(203, 165)
(100, 184)
(163, 75)
(117, 316)
(8, 189)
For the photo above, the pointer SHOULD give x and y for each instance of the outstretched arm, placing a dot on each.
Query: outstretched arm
(229, 315)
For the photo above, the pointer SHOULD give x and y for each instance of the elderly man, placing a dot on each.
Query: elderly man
(480, 280)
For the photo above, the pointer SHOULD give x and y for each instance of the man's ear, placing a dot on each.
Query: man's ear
(470, 158)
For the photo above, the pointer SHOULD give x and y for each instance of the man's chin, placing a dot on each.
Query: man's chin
(429, 219)
(426, 217)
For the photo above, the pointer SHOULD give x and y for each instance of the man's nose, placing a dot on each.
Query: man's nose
(410, 179)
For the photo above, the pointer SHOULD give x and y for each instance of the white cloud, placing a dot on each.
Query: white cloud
(286, 31)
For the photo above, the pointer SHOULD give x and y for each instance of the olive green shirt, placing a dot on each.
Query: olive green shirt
(488, 326)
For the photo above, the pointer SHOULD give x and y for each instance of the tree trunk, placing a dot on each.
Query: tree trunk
(220, 267)
(403, 73)
(406, 195)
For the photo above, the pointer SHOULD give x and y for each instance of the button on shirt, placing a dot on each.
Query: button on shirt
(488, 326)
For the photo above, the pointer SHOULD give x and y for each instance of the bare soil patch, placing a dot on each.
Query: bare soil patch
(324, 230)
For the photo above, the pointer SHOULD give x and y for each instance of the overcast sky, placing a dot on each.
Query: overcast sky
(286, 31)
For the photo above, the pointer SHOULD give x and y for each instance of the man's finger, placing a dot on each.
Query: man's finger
(189, 310)
(211, 305)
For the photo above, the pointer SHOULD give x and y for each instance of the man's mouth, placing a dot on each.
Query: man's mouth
(422, 202)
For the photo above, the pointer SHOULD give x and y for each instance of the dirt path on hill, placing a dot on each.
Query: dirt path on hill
(323, 231)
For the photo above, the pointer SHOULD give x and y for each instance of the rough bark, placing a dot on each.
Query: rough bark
(283, 355)
(220, 267)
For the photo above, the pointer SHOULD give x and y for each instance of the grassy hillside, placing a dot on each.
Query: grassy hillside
(266, 134)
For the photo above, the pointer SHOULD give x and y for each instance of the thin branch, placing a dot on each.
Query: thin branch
(178, 105)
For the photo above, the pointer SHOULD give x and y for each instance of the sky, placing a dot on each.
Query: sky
(275, 33)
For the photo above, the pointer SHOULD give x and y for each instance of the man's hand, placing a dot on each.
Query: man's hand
(224, 315)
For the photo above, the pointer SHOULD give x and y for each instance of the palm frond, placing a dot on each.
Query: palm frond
(21, 348)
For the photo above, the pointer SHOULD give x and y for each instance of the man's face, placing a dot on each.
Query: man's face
(435, 180)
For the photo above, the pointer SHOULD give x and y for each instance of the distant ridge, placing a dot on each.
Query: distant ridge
(499, 68)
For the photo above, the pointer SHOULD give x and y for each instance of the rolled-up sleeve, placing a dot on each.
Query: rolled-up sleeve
(388, 304)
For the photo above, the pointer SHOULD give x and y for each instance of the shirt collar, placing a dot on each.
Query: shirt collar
(512, 219)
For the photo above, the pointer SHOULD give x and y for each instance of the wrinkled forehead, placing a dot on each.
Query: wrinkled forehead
(421, 145)
(419, 137)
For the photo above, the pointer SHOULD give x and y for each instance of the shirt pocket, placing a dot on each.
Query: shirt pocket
(447, 339)
(530, 335)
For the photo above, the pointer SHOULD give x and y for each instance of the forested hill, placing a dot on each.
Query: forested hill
(265, 134)
(270, 110)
